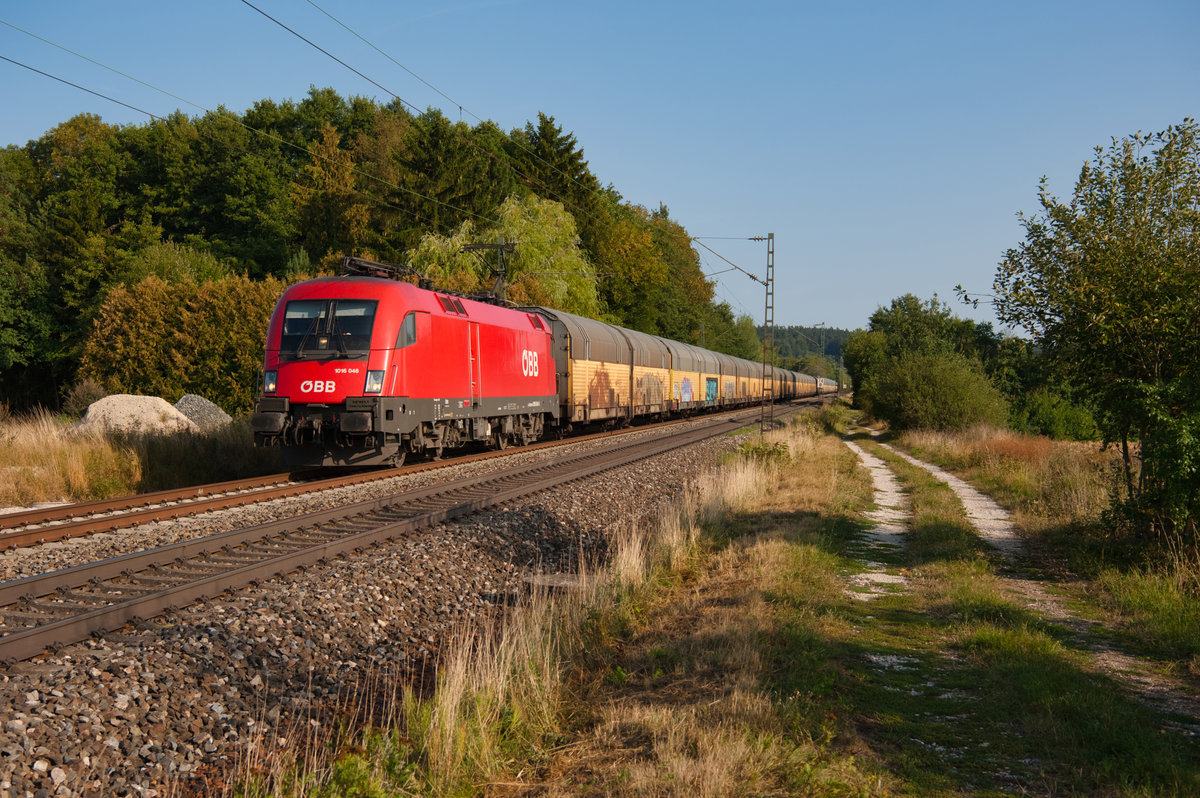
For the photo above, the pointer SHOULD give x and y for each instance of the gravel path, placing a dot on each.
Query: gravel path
(176, 703)
(1142, 678)
(990, 520)
(891, 516)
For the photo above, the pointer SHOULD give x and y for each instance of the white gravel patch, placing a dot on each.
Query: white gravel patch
(992, 522)
(132, 414)
(891, 515)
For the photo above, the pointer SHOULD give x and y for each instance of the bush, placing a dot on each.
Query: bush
(937, 391)
(1043, 412)
(81, 396)
(159, 339)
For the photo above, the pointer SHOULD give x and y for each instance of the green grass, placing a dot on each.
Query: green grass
(958, 689)
(1157, 614)
(736, 661)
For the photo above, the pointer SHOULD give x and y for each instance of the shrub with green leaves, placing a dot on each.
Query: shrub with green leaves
(166, 340)
(1045, 412)
(937, 391)
(1107, 284)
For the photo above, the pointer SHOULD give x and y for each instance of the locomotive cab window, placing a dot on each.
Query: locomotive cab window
(408, 331)
(327, 327)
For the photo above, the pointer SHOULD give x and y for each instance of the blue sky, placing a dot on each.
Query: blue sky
(887, 145)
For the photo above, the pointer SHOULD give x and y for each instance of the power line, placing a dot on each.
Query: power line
(103, 66)
(731, 263)
(323, 50)
(82, 88)
(446, 96)
(270, 136)
(367, 42)
(265, 134)
(547, 190)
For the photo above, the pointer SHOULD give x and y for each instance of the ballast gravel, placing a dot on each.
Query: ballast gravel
(206, 415)
(173, 704)
(127, 413)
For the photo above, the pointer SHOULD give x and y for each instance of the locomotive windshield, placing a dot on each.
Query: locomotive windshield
(327, 328)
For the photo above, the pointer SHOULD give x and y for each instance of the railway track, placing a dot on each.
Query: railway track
(62, 522)
(51, 610)
(50, 524)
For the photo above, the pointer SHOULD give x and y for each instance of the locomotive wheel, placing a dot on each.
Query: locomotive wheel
(501, 440)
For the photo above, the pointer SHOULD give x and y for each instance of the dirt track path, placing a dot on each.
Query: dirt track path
(1142, 678)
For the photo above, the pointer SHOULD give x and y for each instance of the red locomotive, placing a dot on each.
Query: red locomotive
(361, 370)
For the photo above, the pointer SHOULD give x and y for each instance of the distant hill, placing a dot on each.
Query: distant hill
(799, 342)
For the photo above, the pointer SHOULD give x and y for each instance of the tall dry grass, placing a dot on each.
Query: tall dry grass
(1046, 482)
(503, 691)
(1059, 490)
(45, 458)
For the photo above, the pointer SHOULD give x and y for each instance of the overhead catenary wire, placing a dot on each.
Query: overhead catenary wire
(397, 97)
(546, 189)
(533, 182)
(447, 97)
(313, 44)
(33, 35)
(753, 277)
(263, 133)
(82, 88)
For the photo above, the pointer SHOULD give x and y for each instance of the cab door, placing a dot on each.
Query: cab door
(474, 364)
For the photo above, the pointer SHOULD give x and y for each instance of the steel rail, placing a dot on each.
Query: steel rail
(46, 515)
(486, 491)
(222, 496)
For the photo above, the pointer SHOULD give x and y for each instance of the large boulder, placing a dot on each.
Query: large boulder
(136, 414)
(205, 414)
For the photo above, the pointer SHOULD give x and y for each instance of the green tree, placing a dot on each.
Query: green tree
(444, 178)
(865, 356)
(27, 326)
(937, 390)
(1108, 284)
(379, 157)
(551, 165)
(164, 339)
(632, 269)
(332, 216)
(547, 268)
(919, 366)
(742, 340)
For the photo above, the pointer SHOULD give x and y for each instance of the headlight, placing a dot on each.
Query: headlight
(270, 381)
(374, 382)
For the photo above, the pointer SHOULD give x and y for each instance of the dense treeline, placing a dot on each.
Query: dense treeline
(99, 223)
(797, 342)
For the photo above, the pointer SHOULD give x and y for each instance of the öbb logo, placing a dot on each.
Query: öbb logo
(318, 386)
(529, 363)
